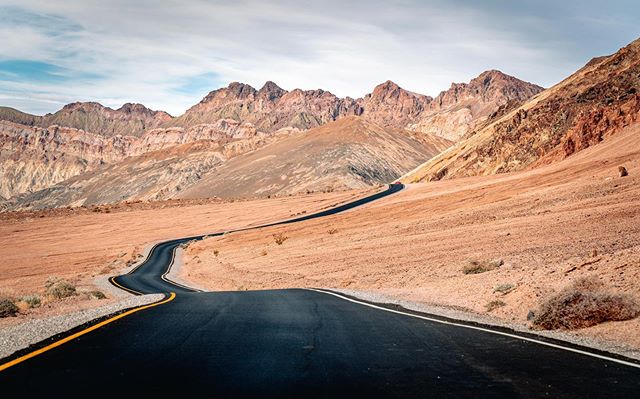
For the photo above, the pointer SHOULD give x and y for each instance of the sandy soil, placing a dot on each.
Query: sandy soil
(82, 244)
(549, 225)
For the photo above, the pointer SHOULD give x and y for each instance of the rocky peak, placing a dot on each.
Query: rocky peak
(83, 106)
(271, 91)
(235, 91)
(490, 86)
(135, 108)
(386, 90)
(492, 74)
(240, 90)
(139, 110)
(391, 105)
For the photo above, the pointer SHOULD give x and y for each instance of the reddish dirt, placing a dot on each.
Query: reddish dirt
(550, 226)
(80, 244)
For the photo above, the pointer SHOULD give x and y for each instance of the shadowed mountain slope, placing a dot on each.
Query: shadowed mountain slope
(595, 102)
(349, 153)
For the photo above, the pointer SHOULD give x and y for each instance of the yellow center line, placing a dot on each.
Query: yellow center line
(83, 332)
(114, 282)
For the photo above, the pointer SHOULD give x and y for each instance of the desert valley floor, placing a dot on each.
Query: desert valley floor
(549, 226)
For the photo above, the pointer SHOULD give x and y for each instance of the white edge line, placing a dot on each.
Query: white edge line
(173, 257)
(273, 224)
(204, 235)
(611, 359)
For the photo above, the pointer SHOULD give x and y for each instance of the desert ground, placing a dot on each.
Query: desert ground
(85, 245)
(548, 227)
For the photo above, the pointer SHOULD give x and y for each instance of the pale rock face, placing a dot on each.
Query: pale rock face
(33, 158)
(455, 112)
(450, 125)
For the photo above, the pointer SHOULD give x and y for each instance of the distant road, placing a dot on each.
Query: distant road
(303, 344)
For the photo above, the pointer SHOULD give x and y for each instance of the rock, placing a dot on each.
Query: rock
(531, 315)
(622, 171)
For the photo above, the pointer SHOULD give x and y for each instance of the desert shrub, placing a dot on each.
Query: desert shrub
(584, 303)
(475, 266)
(135, 256)
(504, 288)
(7, 307)
(493, 305)
(59, 288)
(280, 238)
(32, 301)
(96, 294)
(332, 231)
(263, 252)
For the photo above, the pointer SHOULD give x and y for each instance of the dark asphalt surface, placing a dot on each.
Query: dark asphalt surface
(301, 344)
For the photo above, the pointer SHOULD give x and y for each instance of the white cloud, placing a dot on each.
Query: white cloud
(144, 51)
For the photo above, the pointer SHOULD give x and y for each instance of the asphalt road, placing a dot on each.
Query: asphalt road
(148, 278)
(302, 344)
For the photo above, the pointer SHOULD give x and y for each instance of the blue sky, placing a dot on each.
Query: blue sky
(169, 54)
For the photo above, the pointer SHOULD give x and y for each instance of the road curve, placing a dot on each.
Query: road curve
(301, 343)
(149, 277)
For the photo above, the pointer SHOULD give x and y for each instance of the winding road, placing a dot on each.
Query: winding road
(303, 343)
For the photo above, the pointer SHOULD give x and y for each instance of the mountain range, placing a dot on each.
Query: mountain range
(86, 140)
(239, 141)
(584, 109)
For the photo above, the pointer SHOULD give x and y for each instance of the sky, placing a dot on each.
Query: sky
(169, 54)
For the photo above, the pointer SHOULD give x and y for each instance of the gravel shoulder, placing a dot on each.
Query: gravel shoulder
(33, 330)
(21, 336)
(467, 316)
(176, 271)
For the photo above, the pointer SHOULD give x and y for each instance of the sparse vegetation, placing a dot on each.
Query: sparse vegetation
(263, 252)
(504, 288)
(493, 305)
(584, 303)
(475, 266)
(96, 294)
(59, 288)
(7, 307)
(135, 256)
(32, 301)
(332, 231)
(280, 238)
(216, 252)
